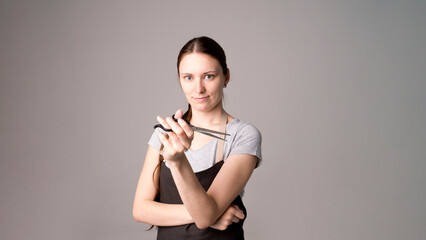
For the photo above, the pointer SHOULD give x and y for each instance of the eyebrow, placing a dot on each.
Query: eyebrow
(212, 71)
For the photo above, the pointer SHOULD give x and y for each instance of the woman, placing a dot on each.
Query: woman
(185, 188)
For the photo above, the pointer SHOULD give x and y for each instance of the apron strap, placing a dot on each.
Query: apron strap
(220, 143)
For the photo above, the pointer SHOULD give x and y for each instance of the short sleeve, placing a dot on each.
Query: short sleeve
(248, 140)
(154, 141)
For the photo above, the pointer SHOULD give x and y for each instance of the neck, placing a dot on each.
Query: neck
(210, 118)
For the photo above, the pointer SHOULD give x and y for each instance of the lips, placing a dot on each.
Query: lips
(201, 99)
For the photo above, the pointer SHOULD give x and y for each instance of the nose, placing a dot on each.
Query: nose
(199, 86)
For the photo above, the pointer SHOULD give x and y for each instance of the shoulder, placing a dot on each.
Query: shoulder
(241, 129)
(154, 141)
(244, 138)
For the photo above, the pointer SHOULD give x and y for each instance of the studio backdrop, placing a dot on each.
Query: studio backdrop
(337, 89)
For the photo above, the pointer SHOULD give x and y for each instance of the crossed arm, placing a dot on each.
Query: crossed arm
(211, 209)
(206, 209)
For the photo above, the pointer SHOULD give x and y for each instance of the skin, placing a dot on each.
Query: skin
(202, 81)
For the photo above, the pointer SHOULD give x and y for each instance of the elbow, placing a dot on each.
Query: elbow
(204, 222)
(138, 215)
(202, 225)
(207, 218)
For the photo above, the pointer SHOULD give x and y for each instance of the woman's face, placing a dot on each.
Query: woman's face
(202, 81)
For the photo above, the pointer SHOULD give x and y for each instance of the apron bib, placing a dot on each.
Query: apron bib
(169, 194)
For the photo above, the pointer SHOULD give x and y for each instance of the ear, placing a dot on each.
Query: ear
(227, 77)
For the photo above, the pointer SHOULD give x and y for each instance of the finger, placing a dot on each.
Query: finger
(189, 132)
(171, 145)
(235, 219)
(176, 142)
(164, 139)
(179, 114)
(177, 136)
(173, 125)
(163, 122)
(180, 132)
(239, 214)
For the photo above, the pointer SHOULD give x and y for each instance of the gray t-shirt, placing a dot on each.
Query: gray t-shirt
(244, 139)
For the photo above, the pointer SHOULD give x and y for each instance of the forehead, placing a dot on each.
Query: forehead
(198, 63)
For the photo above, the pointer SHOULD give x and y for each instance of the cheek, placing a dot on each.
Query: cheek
(185, 88)
(217, 88)
(217, 93)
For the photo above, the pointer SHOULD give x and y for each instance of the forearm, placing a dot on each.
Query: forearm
(203, 207)
(161, 214)
(200, 206)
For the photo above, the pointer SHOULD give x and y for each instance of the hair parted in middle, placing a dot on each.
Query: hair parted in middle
(204, 45)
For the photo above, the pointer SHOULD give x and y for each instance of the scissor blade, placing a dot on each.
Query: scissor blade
(200, 129)
(211, 135)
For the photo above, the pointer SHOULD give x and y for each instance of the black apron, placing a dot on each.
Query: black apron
(170, 194)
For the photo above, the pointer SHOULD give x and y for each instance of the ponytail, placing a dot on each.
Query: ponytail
(188, 114)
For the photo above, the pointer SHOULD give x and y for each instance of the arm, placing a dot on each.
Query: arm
(204, 207)
(145, 209)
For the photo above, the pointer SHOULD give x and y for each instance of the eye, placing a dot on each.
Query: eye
(209, 76)
(187, 77)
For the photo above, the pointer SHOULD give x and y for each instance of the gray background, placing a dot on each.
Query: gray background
(337, 89)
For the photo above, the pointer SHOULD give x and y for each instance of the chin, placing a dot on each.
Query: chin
(203, 107)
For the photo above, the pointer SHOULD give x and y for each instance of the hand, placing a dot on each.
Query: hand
(232, 215)
(175, 143)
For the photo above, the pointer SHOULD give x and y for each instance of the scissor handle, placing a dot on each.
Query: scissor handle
(184, 119)
(205, 131)
(174, 119)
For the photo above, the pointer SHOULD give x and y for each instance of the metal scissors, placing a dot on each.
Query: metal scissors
(204, 131)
